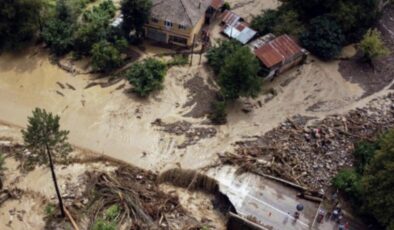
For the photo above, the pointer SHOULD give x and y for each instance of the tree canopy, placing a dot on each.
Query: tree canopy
(370, 185)
(378, 182)
(43, 130)
(105, 56)
(19, 21)
(238, 76)
(135, 14)
(146, 76)
(217, 55)
(324, 38)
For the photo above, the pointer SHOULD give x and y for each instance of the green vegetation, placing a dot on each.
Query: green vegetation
(2, 162)
(324, 38)
(346, 20)
(218, 115)
(94, 27)
(50, 210)
(238, 77)
(272, 21)
(369, 187)
(44, 138)
(135, 15)
(105, 56)
(237, 69)
(217, 55)
(226, 6)
(109, 220)
(147, 76)
(104, 225)
(372, 45)
(178, 60)
(20, 20)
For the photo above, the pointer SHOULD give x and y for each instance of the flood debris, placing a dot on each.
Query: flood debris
(191, 133)
(311, 155)
(201, 97)
(141, 204)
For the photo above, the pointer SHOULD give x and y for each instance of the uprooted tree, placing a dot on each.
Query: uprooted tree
(46, 142)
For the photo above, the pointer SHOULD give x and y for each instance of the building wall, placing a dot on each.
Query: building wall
(187, 33)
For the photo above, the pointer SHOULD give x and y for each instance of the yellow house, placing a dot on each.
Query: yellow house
(176, 21)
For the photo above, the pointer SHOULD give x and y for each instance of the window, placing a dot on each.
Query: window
(154, 20)
(168, 23)
(178, 40)
(182, 27)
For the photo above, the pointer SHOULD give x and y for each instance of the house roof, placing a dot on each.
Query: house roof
(230, 18)
(182, 12)
(235, 28)
(217, 4)
(278, 50)
(239, 31)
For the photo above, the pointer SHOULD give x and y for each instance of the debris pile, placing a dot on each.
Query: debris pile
(142, 204)
(311, 156)
(183, 128)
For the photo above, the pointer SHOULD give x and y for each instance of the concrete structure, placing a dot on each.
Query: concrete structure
(278, 54)
(270, 204)
(177, 21)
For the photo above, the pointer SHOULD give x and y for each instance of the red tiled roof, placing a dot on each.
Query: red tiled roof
(278, 50)
(217, 4)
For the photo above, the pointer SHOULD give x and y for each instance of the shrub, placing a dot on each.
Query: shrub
(105, 57)
(178, 60)
(323, 38)
(103, 225)
(372, 45)
(146, 76)
(112, 212)
(226, 6)
(50, 210)
(218, 115)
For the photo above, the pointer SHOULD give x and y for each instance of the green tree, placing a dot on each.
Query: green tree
(58, 34)
(372, 45)
(147, 76)
(363, 153)
(19, 21)
(105, 56)
(323, 38)
(378, 182)
(135, 14)
(44, 139)
(265, 22)
(94, 27)
(349, 182)
(238, 77)
(218, 54)
(288, 23)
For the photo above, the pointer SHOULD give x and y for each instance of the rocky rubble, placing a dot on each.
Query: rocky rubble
(311, 155)
(183, 128)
